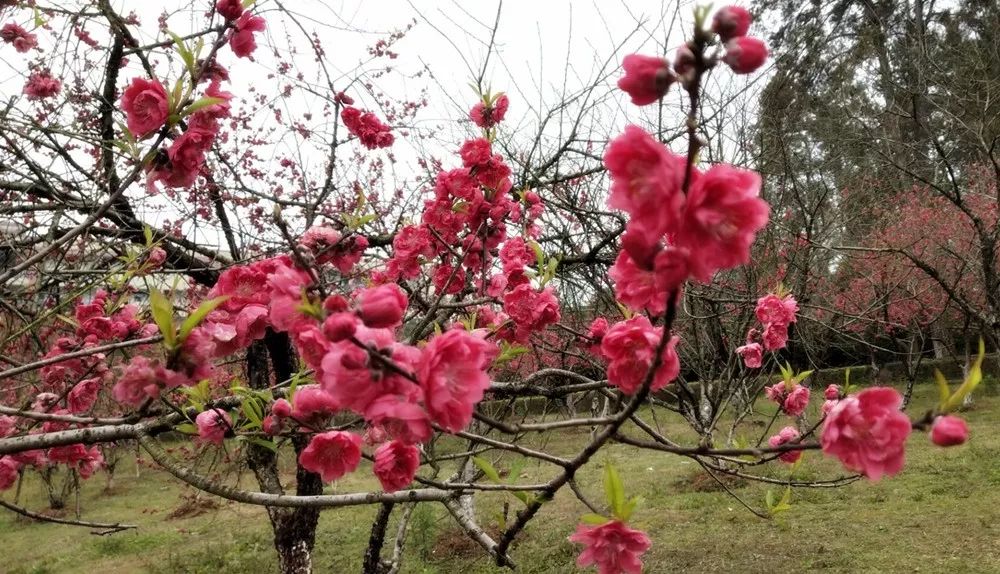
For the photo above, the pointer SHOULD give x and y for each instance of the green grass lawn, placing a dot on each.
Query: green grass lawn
(941, 514)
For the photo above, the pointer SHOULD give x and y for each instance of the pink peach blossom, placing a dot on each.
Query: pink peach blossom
(949, 430)
(867, 432)
(146, 105)
(213, 425)
(646, 78)
(752, 355)
(452, 372)
(613, 547)
(731, 22)
(787, 434)
(331, 454)
(744, 55)
(396, 463)
(630, 347)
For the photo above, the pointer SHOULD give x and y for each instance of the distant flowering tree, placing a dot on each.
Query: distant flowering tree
(359, 351)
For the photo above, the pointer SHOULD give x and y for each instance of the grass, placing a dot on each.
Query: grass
(941, 514)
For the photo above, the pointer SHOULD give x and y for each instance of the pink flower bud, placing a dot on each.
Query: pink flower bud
(949, 430)
(335, 304)
(745, 55)
(382, 307)
(271, 425)
(731, 22)
(281, 408)
(229, 9)
(646, 78)
(683, 60)
(832, 393)
(340, 326)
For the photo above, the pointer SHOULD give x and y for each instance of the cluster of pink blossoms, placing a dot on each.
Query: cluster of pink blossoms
(630, 347)
(613, 547)
(21, 39)
(350, 343)
(463, 230)
(684, 223)
(72, 386)
(41, 85)
(648, 78)
(670, 235)
(775, 314)
(85, 461)
(488, 114)
(366, 126)
(788, 434)
(147, 109)
(244, 25)
(791, 397)
(327, 245)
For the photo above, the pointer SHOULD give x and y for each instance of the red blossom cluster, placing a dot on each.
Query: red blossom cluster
(367, 128)
(22, 40)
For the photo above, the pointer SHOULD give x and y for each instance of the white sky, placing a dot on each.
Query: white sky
(545, 51)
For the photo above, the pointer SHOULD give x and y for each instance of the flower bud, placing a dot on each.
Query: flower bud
(281, 408)
(646, 78)
(335, 304)
(731, 22)
(340, 326)
(949, 430)
(683, 60)
(745, 55)
(382, 307)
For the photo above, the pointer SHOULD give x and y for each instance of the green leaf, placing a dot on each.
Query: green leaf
(943, 391)
(163, 315)
(614, 490)
(147, 233)
(249, 408)
(39, 21)
(595, 519)
(487, 468)
(186, 428)
(630, 508)
(175, 98)
(801, 376)
(539, 254)
(509, 351)
(183, 50)
(198, 315)
(769, 499)
(785, 503)
(200, 105)
(972, 381)
(248, 3)
(522, 496)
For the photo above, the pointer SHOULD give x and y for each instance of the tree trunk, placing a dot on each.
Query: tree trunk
(294, 528)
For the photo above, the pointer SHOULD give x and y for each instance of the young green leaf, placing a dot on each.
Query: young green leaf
(163, 315)
(198, 315)
(201, 104)
(595, 519)
(972, 380)
(183, 50)
(943, 391)
(630, 507)
(614, 490)
(487, 468)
